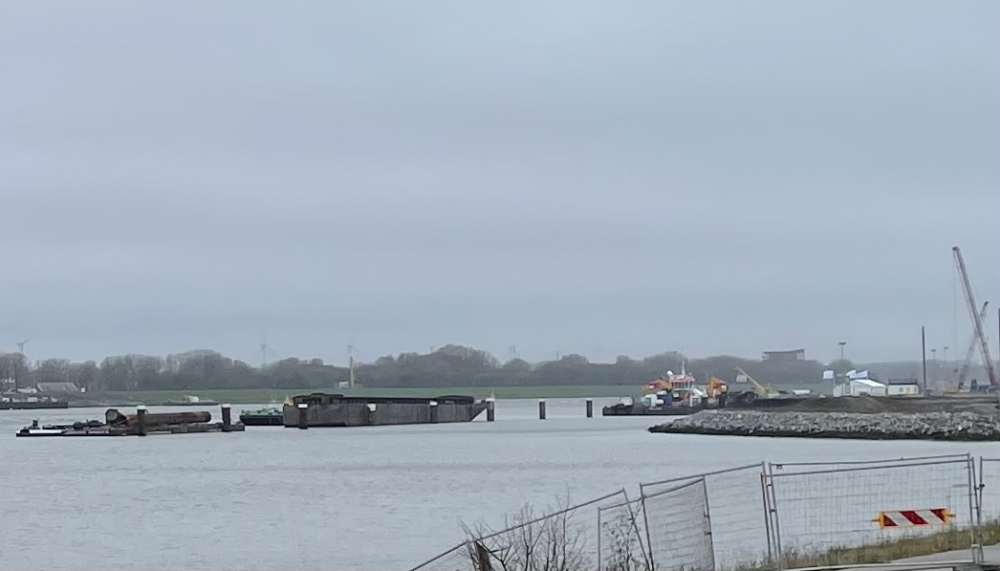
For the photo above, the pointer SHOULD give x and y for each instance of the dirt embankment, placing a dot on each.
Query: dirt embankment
(978, 404)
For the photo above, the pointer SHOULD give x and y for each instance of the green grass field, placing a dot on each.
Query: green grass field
(258, 396)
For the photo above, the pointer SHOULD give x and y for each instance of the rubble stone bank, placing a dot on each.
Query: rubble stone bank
(958, 426)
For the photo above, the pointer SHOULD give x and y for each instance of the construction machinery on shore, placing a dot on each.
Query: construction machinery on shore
(759, 390)
(978, 316)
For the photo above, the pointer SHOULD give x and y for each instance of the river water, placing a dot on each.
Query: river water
(359, 498)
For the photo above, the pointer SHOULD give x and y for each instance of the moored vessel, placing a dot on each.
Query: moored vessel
(320, 409)
(12, 404)
(672, 395)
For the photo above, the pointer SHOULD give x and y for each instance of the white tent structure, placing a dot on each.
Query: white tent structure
(858, 387)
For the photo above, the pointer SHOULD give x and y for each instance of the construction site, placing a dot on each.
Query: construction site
(854, 392)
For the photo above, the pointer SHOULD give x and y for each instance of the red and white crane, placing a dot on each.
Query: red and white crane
(970, 299)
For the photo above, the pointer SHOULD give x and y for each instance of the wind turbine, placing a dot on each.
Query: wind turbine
(263, 353)
(17, 363)
(21, 344)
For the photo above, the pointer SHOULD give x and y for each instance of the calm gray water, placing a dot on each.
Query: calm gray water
(358, 498)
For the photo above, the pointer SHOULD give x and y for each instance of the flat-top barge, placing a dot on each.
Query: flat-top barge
(320, 409)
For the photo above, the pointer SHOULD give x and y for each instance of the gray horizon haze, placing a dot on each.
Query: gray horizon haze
(576, 177)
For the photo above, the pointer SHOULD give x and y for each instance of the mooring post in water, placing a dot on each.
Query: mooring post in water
(303, 416)
(491, 413)
(434, 411)
(370, 419)
(227, 418)
(140, 420)
(541, 409)
(590, 408)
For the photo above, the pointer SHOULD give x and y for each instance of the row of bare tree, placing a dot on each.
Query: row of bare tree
(449, 366)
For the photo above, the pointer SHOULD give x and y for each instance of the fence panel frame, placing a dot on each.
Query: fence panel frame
(759, 466)
(633, 524)
(707, 515)
(870, 465)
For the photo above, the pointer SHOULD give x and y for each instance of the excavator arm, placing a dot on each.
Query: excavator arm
(759, 388)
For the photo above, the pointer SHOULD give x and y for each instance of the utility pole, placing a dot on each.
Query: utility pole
(934, 364)
(350, 365)
(923, 352)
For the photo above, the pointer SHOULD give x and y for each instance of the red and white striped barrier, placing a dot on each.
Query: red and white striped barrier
(914, 518)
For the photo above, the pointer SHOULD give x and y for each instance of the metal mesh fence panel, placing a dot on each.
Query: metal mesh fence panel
(807, 466)
(862, 513)
(621, 537)
(678, 528)
(565, 540)
(739, 519)
(989, 483)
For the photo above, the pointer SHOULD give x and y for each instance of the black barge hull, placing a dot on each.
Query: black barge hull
(262, 419)
(640, 410)
(32, 405)
(338, 410)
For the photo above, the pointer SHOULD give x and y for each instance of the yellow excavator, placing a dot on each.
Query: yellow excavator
(717, 387)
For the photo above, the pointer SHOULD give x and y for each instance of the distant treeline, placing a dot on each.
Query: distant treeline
(449, 366)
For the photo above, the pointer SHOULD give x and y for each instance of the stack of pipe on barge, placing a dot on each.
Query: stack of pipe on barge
(142, 423)
(319, 409)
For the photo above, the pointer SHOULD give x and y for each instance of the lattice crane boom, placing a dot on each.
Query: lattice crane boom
(970, 299)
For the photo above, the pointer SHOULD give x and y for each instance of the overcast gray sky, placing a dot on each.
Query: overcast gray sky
(601, 178)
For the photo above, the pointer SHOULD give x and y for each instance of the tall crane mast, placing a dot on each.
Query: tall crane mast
(970, 299)
(971, 351)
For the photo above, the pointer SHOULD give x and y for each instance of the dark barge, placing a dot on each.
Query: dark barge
(319, 409)
(142, 423)
(640, 409)
(32, 405)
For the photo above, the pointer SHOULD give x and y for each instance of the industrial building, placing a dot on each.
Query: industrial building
(794, 355)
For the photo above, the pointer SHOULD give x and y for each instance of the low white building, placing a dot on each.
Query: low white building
(903, 387)
(858, 387)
